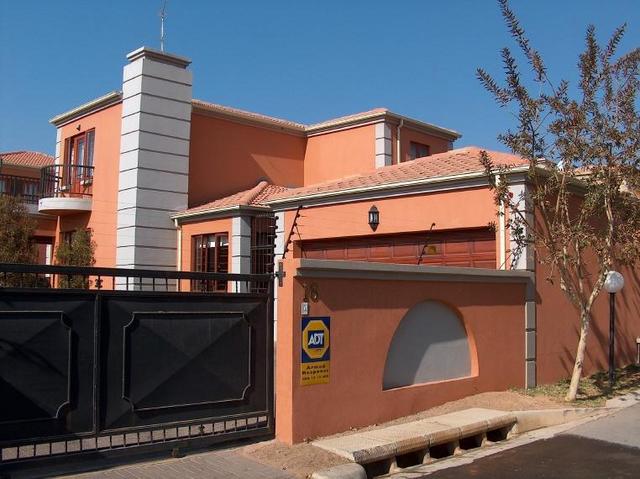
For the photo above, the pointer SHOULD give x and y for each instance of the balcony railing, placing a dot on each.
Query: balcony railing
(28, 189)
(66, 181)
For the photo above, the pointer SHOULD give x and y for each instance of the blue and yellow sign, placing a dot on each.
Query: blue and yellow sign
(314, 367)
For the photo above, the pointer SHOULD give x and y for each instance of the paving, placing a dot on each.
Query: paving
(219, 464)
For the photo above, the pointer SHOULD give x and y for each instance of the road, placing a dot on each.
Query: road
(605, 448)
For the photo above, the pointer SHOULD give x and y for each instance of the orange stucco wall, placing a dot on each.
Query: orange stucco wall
(468, 208)
(102, 219)
(45, 227)
(362, 326)
(340, 153)
(227, 157)
(558, 328)
(407, 135)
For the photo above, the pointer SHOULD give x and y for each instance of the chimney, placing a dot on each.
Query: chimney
(154, 158)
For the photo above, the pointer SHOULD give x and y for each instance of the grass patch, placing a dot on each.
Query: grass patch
(593, 390)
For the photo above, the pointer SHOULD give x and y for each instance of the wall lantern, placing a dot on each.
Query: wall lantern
(613, 283)
(374, 218)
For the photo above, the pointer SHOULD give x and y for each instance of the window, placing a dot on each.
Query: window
(263, 237)
(210, 255)
(418, 150)
(79, 158)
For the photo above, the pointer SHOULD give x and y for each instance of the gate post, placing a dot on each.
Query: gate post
(290, 295)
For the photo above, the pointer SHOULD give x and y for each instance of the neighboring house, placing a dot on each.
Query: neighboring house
(20, 174)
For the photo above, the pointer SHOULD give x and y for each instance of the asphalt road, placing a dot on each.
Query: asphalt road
(606, 448)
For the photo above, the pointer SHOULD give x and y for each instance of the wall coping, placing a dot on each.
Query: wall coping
(314, 268)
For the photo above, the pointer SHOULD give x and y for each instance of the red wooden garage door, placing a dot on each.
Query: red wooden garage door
(472, 248)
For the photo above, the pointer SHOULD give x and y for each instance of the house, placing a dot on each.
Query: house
(20, 176)
(138, 165)
(377, 219)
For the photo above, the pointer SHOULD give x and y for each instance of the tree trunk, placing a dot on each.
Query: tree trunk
(585, 321)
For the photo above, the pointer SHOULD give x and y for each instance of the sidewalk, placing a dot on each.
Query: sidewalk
(220, 464)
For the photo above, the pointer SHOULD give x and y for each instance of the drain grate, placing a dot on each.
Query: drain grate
(435, 452)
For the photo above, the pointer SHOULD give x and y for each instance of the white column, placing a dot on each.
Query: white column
(240, 249)
(526, 261)
(384, 145)
(58, 157)
(154, 158)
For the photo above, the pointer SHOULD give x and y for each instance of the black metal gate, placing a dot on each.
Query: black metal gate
(130, 362)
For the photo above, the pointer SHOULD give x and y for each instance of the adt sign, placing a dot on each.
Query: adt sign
(315, 339)
(315, 364)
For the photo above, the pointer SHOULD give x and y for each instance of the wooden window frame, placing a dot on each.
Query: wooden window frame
(79, 173)
(200, 260)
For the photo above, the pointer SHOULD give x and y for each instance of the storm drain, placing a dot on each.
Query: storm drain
(435, 452)
(393, 448)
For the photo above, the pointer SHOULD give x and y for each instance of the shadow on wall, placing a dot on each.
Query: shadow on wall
(430, 344)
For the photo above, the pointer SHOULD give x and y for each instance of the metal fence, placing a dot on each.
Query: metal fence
(119, 361)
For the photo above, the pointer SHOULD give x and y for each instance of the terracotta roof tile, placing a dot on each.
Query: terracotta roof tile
(29, 159)
(453, 162)
(255, 196)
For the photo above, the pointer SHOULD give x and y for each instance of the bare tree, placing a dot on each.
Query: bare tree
(581, 211)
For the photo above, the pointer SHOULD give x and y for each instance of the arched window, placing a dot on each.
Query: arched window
(430, 344)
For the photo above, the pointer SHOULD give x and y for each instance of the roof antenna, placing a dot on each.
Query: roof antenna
(163, 15)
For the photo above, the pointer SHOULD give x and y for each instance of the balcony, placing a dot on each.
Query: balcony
(65, 189)
(24, 187)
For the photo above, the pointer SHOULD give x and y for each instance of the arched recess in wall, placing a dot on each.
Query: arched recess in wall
(430, 344)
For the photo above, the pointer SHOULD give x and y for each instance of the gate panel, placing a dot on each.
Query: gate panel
(46, 364)
(182, 357)
(185, 359)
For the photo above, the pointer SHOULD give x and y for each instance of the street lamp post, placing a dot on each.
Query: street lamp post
(613, 283)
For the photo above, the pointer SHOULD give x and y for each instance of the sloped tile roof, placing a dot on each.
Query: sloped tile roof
(453, 162)
(255, 196)
(29, 159)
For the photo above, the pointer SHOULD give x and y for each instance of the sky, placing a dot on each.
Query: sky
(305, 61)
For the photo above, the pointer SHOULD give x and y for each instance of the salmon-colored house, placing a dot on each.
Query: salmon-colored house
(377, 219)
(20, 173)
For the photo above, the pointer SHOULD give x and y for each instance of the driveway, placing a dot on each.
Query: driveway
(608, 447)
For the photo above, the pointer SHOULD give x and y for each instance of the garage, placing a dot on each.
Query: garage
(475, 248)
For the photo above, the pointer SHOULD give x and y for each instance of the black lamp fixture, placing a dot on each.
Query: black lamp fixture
(374, 218)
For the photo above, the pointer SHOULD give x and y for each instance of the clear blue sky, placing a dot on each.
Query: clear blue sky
(305, 61)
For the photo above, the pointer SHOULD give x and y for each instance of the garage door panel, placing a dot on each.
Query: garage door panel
(470, 248)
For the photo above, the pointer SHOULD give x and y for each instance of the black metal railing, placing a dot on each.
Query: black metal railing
(66, 180)
(123, 279)
(24, 187)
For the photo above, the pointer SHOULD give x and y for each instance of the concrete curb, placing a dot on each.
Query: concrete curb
(536, 419)
(344, 471)
(627, 400)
